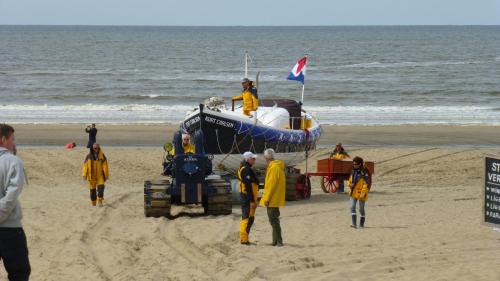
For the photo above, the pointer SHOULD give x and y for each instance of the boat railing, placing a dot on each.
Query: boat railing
(304, 123)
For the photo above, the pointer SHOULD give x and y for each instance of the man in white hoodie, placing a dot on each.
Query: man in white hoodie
(13, 246)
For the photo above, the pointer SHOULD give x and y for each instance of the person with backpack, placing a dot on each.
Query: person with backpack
(359, 183)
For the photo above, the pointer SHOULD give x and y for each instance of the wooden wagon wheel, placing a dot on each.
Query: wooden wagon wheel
(328, 184)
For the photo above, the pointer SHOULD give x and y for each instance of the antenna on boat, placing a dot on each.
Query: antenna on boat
(248, 59)
(246, 64)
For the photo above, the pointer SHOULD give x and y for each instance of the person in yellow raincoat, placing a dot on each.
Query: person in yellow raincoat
(359, 183)
(95, 171)
(339, 153)
(249, 191)
(249, 97)
(274, 193)
(186, 145)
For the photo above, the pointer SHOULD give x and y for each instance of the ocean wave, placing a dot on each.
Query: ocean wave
(88, 113)
(404, 64)
(343, 115)
(152, 96)
(387, 115)
(58, 72)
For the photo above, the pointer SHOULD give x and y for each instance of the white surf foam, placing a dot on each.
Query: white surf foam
(407, 64)
(398, 115)
(342, 115)
(116, 114)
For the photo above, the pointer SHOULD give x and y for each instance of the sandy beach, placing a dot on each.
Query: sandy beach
(424, 215)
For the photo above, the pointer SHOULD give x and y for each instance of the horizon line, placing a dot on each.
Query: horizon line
(347, 25)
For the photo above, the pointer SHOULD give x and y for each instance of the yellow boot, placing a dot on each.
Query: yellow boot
(243, 232)
(100, 202)
(93, 202)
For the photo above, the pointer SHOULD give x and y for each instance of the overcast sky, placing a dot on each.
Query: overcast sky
(253, 12)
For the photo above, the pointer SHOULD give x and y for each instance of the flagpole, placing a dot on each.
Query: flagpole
(303, 86)
(304, 82)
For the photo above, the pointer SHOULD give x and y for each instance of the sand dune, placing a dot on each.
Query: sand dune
(423, 223)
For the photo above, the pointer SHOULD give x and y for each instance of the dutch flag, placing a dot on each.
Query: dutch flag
(298, 71)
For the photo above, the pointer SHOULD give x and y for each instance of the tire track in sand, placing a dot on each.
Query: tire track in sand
(405, 155)
(422, 162)
(89, 235)
(208, 264)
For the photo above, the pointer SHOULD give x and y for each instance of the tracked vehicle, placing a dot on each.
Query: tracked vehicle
(189, 180)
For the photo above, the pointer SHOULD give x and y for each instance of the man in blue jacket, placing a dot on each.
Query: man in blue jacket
(13, 246)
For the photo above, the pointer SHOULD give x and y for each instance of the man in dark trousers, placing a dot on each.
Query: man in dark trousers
(92, 131)
(13, 245)
(274, 193)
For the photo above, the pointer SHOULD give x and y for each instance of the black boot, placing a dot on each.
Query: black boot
(362, 222)
(353, 221)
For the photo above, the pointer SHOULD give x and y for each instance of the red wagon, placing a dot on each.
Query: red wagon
(334, 171)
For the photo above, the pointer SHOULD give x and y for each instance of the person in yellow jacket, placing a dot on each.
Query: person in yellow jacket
(249, 97)
(249, 191)
(359, 183)
(186, 145)
(274, 193)
(95, 171)
(339, 153)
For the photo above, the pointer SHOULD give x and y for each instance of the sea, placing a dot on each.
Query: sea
(356, 75)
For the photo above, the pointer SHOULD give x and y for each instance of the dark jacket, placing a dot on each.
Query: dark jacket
(248, 182)
(92, 134)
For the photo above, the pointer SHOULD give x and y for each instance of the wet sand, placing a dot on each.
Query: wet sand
(157, 135)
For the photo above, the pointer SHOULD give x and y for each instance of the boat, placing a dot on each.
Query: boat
(281, 124)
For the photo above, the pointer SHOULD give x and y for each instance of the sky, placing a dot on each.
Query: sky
(250, 12)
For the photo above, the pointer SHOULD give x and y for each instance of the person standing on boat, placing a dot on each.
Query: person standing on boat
(339, 153)
(249, 191)
(249, 97)
(274, 193)
(359, 183)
